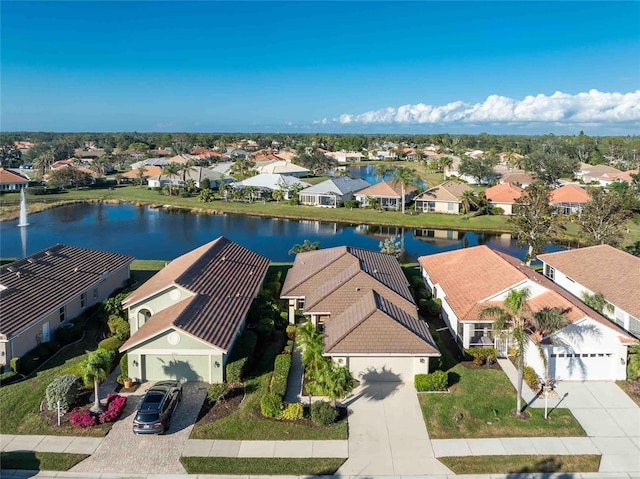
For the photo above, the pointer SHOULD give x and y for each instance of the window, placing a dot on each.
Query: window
(83, 300)
(95, 294)
(450, 207)
(549, 272)
(62, 314)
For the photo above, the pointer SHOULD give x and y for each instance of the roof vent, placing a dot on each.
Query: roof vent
(11, 269)
(75, 270)
(224, 258)
(18, 274)
(357, 289)
(31, 260)
(48, 253)
(375, 271)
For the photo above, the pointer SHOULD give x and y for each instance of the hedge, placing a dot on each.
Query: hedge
(280, 374)
(482, 355)
(436, 381)
(323, 413)
(113, 343)
(124, 369)
(240, 355)
(531, 377)
(271, 405)
(63, 389)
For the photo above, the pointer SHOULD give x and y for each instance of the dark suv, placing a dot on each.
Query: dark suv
(156, 408)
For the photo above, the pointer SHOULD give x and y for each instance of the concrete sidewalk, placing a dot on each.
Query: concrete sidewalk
(67, 444)
(222, 448)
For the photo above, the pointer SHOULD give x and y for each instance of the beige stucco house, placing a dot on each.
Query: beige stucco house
(444, 198)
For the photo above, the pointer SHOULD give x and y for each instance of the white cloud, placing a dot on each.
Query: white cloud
(593, 107)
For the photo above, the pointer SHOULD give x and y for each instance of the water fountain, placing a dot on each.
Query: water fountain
(23, 210)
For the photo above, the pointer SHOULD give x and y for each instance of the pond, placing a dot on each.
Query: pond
(150, 233)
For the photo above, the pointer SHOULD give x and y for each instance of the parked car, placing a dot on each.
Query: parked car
(156, 408)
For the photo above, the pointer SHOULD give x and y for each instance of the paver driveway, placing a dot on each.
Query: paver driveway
(124, 452)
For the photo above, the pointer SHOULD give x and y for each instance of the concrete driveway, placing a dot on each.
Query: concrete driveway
(124, 452)
(387, 434)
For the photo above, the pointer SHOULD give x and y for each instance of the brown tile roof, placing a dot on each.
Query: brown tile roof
(447, 191)
(598, 170)
(36, 285)
(569, 194)
(504, 193)
(149, 171)
(7, 176)
(602, 269)
(373, 325)
(223, 276)
(386, 189)
(518, 177)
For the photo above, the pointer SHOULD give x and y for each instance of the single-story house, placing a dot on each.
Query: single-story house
(468, 280)
(503, 196)
(149, 172)
(186, 319)
(345, 156)
(10, 180)
(444, 198)
(600, 173)
(50, 287)
(569, 199)
(195, 173)
(360, 299)
(268, 182)
(281, 167)
(388, 194)
(333, 192)
(520, 178)
(600, 269)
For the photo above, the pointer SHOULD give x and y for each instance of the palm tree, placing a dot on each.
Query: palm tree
(446, 162)
(334, 382)
(95, 369)
(277, 195)
(406, 177)
(380, 171)
(170, 171)
(140, 175)
(44, 160)
(469, 200)
(309, 340)
(597, 302)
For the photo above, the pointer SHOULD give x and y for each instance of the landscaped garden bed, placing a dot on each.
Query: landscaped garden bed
(521, 464)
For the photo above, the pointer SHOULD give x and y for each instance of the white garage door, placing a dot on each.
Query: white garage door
(157, 367)
(583, 366)
(387, 369)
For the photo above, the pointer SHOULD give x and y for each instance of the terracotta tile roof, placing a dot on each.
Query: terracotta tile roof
(373, 325)
(36, 285)
(223, 276)
(149, 171)
(8, 176)
(447, 191)
(602, 269)
(569, 194)
(386, 189)
(504, 193)
(625, 176)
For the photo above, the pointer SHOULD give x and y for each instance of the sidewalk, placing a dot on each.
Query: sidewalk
(302, 449)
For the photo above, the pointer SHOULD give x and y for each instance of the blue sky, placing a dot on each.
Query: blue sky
(327, 66)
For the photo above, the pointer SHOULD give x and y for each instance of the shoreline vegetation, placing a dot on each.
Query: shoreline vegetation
(10, 210)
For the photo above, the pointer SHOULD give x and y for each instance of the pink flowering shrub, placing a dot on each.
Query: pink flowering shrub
(81, 418)
(116, 405)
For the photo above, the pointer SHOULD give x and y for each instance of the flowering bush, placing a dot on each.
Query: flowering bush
(82, 418)
(116, 405)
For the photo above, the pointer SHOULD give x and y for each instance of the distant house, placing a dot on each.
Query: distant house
(388, 194)
(195, 173)
(382, 155)
(149, 172)
(51, 287)
(281, 167)
(333, 192)
(466, 281)
(602, 174)
(600, 269)
(444, 198)
(519, 178)
(12, 181)
(503, 196)
(361, 301)
(345, 156)
(269, 182)
(186, 319)
(569, 199)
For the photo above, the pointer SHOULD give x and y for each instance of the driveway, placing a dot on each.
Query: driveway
(124, 452)
(387, 434)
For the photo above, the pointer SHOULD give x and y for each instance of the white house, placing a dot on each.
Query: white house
(333, 192)
(345, 156)
(269, 182)
(468, 280)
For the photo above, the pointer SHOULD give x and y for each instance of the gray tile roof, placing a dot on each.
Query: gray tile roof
(338, 186)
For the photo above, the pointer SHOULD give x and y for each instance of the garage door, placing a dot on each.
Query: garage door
(183, 368)
(583, 366)
(381, 368)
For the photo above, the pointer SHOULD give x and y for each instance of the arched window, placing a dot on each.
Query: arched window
(143, 315)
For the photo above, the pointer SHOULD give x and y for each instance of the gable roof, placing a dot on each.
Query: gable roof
(374, 325)
(8, 176)
(602, 269)
(339, 186)
(518, 177)
(222, 275)
(387, 189)
(504, 193)
(447, 191)
(149, 171)
(569, 194)
(272, 181)
(33, 287)
(278, 165)
(597, 170)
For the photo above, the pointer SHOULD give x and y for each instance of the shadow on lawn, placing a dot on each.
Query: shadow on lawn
(549, 464)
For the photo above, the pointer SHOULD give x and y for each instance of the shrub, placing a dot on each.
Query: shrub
(216, 391)
(352, 204)
(242, 351)
(15, 364)
(124, 369)
(495, 210)
(119, 327)
(64, 389)
(432, 307)
(113, 343)
(68, 335)
(280, 374)
(482, 355)
(288, 349)
(323, 413)
(291, 331)
(82, 418)
(265, 326)
(116, 405)
(531, 377)
(436, 381)
(293, 412)
(271, 405)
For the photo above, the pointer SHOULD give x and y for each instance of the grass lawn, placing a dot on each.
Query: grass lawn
(45, 461)
(515, 464)
(261, 466)
(480, 405)
(631, 388)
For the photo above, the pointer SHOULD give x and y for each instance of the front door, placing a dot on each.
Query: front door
(46, 336)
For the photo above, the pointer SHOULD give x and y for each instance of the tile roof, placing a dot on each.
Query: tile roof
(597, 170)
(504, 193)
(149, 171)
(387, 189)
(224, 278)
(339, 186)
(374, 325)
(272, 181)
(35, 286)
(447, 191)
(8, 176)
(602, 269)
(569, 194)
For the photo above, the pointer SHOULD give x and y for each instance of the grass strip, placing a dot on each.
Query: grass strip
(44, 461)
(262, 466)
(521, 464)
